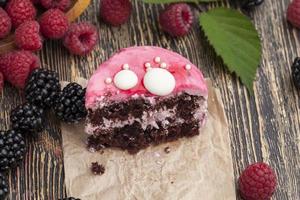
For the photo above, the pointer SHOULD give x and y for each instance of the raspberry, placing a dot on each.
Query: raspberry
(293, 14)
(81, 38)
(20, 11)
(17, 66)
(1, 81)
(5, 24)
(115, 12)
(257, 182)
(63, 5)
(27, 36)
(54, 24)
(177, 19)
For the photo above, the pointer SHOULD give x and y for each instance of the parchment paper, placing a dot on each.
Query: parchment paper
(198, 168)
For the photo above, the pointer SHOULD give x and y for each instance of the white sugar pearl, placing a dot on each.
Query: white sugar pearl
(159, 81)
(188, 67)
(147, 65)
(163, 65)
(125, 79)
(125, 66)
(108, 80)
(157, 59)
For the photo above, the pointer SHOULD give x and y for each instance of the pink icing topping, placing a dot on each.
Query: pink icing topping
(186, 80)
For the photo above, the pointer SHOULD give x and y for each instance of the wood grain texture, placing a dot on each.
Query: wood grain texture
(264, 127)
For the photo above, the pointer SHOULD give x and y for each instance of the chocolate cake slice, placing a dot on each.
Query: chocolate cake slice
(143, 96)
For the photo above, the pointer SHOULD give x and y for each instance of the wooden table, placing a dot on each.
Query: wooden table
(264, 127)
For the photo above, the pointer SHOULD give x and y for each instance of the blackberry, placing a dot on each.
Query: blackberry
(3, 186)
(27, 118)
(2, 4)
(42, 88)
(70, 106)
(12, 149)
(247, 4)
(296, 72)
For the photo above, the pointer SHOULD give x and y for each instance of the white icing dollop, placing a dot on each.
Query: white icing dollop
(159, 81)
(125, 79)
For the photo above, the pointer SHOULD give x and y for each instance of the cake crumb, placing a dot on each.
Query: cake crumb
(172, 182)
(97, 169)
(167, 150)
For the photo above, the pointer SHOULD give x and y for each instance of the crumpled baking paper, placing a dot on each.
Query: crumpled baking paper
(198, 168)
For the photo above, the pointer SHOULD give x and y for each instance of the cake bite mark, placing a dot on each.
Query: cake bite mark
(159, 81)
(108, 80)
(157, 59)
(125, 79)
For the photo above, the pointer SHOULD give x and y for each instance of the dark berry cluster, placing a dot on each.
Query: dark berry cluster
(3, 186)
(42, 88)
(248, 4)
(2, 4)
(12, 149)
(70, 106)
(70, 198)
(42, 92)
(27, 118)
(296, 72)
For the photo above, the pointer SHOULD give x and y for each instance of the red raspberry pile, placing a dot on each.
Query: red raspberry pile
(20, 16)
(176, 19)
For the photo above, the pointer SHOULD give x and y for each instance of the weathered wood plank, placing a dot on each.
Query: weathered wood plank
(264, 127)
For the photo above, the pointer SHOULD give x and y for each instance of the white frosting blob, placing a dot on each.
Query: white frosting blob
(159, 81)
(125, 79)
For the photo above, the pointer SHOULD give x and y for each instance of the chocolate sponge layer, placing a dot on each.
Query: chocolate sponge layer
(139, 122)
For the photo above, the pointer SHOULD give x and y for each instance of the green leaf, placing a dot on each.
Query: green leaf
(235, 39)
(176, 1)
